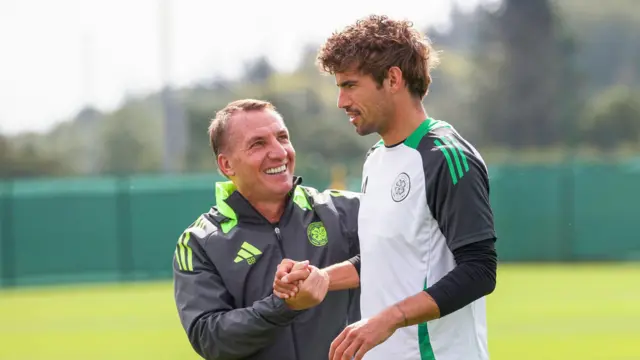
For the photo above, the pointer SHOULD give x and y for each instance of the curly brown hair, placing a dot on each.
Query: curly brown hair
(376, 43)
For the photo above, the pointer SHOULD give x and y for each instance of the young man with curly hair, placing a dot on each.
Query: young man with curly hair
(425, 223)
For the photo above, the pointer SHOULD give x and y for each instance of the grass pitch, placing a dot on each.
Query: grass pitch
(568, 312)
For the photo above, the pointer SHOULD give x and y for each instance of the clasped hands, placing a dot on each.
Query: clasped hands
(303, 286)
(300, 284)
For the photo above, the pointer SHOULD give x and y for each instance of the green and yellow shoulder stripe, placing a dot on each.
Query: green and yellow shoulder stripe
(183, 254)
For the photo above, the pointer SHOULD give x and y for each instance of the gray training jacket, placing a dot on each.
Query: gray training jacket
(225, 263)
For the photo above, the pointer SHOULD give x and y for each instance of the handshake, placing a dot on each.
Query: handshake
(300, 284)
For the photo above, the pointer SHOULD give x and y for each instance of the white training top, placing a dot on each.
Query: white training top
(423, 198)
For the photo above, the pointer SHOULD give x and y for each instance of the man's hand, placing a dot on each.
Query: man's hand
(289, 276)
(312, 291)
(358, 338)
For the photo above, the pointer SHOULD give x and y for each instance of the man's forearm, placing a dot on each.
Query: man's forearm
(416, 309)
(342, 276)
(474, 277)
(238, 333)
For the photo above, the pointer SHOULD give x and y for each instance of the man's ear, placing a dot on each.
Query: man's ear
(225, 165)
(394, 78)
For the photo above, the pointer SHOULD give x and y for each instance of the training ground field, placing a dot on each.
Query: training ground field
(583, 312)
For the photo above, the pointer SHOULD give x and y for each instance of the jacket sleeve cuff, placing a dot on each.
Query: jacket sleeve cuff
(355, 261)
(276, 311)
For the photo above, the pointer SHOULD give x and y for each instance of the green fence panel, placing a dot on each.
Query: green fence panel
(99, 229)
(161, 208)
(64, 230)
(527, 212)
(6, 260)
(607, 213)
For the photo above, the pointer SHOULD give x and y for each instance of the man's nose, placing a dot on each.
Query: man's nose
(277, 151)
(343, 100)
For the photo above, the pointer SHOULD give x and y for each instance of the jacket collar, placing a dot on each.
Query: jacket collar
(236, 208)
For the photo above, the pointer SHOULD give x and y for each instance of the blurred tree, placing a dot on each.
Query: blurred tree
(258, 70)
(307, 63)
(608, 40)
(199, 156)
(526, 90)
(71, 142)
(613, 119)
(131, 140)
(450, 93)
(122, 150)
(609, 51)
(26, 161)
(461, 36)
(508, 77)
(4, 157)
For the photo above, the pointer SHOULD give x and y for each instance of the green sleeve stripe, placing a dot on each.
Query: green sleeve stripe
(183, 252)
(424, 338)
(189, 252)
(461, 151)
(203, 222)
(178, 259)
(449, 163)
(250, 248)
(186, 255)
(455, 155)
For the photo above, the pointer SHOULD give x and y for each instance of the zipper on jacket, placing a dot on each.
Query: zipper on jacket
(276, 230)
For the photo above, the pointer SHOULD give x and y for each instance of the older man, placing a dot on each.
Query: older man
(224, 263)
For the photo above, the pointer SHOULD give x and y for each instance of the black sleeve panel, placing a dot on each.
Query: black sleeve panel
(472, 278)
(457, 189)
(356, 263)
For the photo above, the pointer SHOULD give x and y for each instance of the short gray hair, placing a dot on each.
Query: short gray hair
(218, 125)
